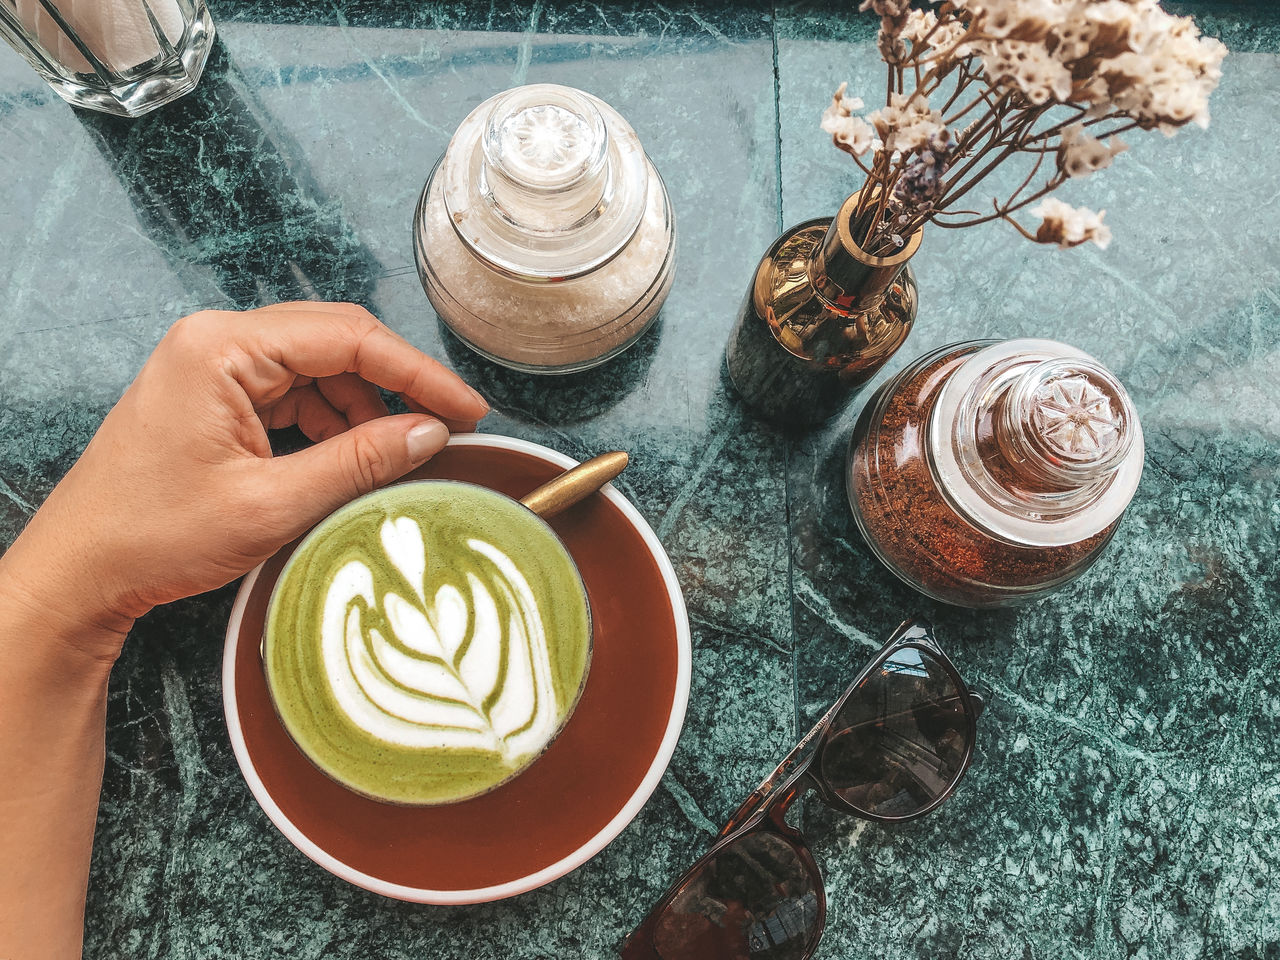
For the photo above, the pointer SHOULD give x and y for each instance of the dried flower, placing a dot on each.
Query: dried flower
(894, 15)
(1028, 20)
(1069, 226)
(1017, 77)
(922, 183)
(918, 190)
(1153, 66)
(1080, 154)
(1028, 67)
(920, 23)
(946, 40)
(924, 32)
(851, 134)
(907, 123)
(1167, 82)
(1074, 37)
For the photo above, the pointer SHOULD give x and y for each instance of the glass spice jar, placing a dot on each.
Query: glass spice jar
(991, 472)
(544, 237)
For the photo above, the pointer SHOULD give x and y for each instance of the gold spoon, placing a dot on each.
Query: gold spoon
(575, 484)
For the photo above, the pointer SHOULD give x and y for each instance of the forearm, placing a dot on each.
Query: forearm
(53, 686)
(178, 493)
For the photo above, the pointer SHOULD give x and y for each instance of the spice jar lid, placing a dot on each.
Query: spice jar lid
(1064, 419)
(545, 182)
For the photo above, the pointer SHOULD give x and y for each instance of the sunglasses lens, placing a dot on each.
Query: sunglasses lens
(901, 739)
(757, 899)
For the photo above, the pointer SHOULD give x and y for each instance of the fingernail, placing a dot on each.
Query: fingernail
(476, 393)
(425, 439)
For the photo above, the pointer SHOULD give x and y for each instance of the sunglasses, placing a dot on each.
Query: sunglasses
(892, 748)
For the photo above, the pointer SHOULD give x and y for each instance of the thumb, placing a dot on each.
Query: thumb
(329, 474)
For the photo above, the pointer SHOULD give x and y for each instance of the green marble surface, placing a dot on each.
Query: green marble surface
(1125, 800)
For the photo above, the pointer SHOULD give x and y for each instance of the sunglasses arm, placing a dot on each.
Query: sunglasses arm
(788, 767)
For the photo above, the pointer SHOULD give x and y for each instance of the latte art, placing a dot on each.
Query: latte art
(427, 642)
(467, 666)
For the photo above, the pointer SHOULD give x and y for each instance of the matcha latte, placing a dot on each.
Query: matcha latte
(426, 642)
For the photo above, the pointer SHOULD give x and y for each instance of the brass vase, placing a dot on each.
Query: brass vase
(820, 319)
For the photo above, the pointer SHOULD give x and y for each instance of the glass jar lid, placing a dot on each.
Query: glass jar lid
(1062, 422)
(545, 182)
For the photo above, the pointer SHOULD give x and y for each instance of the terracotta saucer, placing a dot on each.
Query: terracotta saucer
(566, 807)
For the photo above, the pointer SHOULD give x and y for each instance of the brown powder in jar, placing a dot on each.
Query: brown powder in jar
(913, 528)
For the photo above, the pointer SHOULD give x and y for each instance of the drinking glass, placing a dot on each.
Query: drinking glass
(124, 57)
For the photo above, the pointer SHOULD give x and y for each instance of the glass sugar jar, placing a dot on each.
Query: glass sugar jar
(990, 472)
(544, 237)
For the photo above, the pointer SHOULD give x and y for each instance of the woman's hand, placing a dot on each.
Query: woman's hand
(178, 492)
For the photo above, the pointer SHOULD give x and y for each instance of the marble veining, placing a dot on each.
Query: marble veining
(1125, 801)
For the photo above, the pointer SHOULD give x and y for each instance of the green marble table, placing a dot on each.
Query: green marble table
(1125, 799)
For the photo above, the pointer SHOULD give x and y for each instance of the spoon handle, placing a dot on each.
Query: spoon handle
(576, 484)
